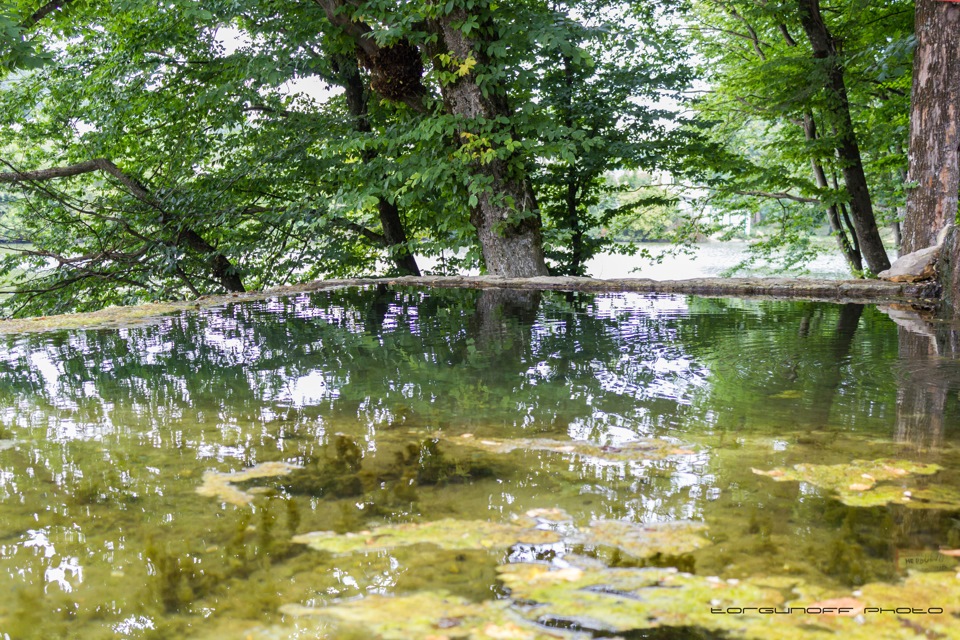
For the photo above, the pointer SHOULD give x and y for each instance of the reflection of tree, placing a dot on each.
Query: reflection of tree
(928, 355)
(847, 322)
(791, 365)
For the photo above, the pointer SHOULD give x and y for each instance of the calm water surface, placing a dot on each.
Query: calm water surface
(613, 439)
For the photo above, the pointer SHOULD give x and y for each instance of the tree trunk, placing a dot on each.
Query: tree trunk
(921, 393)
(220, 267)
(573, 184)
(848, 150)
(933, 173)
(395, 237)
(833, 213)
(511, 247)
(394, 234)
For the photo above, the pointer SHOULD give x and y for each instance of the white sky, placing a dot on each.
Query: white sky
(232, 39)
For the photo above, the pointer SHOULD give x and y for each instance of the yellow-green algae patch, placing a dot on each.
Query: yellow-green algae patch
(111, 317)
(432, 616)
(648, 449)
(856, 483)
(623, 600)
(220, 485)
(446, 534)
(538, 526)
(645, 540)
(620, 600)
(936, 497)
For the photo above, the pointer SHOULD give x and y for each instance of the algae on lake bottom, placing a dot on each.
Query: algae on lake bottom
(856, 483)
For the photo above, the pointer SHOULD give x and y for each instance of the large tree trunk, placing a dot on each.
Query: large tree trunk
(394, 234)
(934, 125)
(510, 248)
(935, 140)
(848, 150)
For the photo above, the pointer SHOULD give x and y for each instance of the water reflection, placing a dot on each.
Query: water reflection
(376, 394)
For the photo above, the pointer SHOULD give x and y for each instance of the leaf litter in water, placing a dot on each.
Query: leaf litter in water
(217, 484)
(648, 449)
(432, 616)
(856, 483)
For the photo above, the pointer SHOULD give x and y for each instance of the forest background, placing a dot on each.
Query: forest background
(162, 150)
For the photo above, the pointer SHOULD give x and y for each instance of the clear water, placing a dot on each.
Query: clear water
(381, 396)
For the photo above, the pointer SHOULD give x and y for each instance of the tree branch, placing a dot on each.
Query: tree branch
(43, 12)
(779, 195)
(223, 270)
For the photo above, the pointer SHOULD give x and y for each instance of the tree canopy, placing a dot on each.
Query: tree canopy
(166, 151)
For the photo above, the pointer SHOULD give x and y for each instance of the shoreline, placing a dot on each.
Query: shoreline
(922, 295)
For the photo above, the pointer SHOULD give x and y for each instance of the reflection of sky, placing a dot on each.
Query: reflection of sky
(311, 388)
(62, 571)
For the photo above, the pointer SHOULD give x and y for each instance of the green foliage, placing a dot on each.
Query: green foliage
(762, 81)
(196, 105)
(199, 105)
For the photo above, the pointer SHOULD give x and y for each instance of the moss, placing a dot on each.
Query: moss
(338, 473)
(177, 579)
(430, 465)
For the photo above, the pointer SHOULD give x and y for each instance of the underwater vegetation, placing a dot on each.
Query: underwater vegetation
(422, 466)
(867, 483)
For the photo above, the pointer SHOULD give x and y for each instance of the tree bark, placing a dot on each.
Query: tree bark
(394, 234)
(933, 175)
(511, 248)
(852, 255)
(220, 267)
(848, 150)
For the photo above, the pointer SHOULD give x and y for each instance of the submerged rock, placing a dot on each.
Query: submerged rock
(918, 265)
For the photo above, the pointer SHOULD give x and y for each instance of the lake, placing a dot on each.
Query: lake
(399, 463)
(703, 260)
